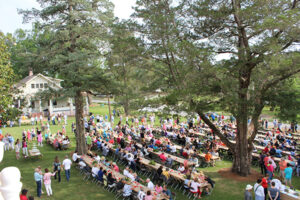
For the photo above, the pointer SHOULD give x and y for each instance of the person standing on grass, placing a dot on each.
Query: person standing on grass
(39, 137)
(273, 192)
(67, 166)
(248, 193)
(38, 179)
(17, 149)
(259, 190)
(288, 172)
(47, 181)
(57, 168)
(24, 148)
(282, 166)
(270, 170)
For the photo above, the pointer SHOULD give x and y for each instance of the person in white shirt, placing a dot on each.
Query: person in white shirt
(150, 185)
(181, 168)
(131, 176)
(259, 190)
(82, 164)
(194, 188)
(141, 195)
(278, 184)
(126, 171)
(67, 166)
(173, 149)
(75, 157)
(95, 170)
(97, 158)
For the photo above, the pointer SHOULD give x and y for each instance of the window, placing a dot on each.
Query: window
(41, 85)
(45, 85)
(37, 85)
(32, 85)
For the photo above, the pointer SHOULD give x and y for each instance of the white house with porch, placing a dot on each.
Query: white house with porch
(33, 104)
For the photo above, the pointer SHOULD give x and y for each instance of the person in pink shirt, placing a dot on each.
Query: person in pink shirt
(40, 138)
(47, 181)
(163, 157)
(270, 170)
(116, 168)
(158, 188)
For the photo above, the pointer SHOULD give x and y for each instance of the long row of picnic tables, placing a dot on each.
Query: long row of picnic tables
(173, 173)
(256, 155)
(232, 141)
(136, 186)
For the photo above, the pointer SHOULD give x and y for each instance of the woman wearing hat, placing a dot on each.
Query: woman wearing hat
(248, 194)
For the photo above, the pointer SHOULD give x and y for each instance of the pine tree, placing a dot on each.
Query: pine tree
(77, 40)
(188, 40)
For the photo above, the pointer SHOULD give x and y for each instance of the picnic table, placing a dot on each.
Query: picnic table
(136, 186)
(35, 154)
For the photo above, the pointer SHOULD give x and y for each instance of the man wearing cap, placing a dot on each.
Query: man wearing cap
(248, 194)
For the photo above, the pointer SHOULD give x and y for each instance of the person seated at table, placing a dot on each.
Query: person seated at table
(163, 157)
(81, 164)
(166, 174)
(111, 181)
(266, 150)
(150, 185)
(75, 157)
(167, 192)
(181, 168)
(169, 161)
(97, 158)
(95, 170)
(141, 195)
(149, 196)
(195, 188)
(127, 190)
(208, 157)
(158, 188)
(100, 174)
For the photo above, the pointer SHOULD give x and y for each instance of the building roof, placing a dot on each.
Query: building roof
(29, 78)
(24, 81)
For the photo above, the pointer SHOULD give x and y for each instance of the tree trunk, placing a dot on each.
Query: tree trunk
(109, 109)
(241, 155)
(90, 98)
(126, 108)
(80, 136)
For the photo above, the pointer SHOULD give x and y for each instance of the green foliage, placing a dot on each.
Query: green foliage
(6, 74)
(10, 114)
(125, 63)
(73, 41)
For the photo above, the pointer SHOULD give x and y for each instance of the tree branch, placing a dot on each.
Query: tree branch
(216, 130)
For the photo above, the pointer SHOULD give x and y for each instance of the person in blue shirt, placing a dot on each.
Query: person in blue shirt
(38, 179)
(100, 174)
(278, 153)
(167, 192)
(288, 172)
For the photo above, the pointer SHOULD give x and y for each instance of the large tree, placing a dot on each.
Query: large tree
(126, 66)
(189, 38)
(6, 74)
(74, 49)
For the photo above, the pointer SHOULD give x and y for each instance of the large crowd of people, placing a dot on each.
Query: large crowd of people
(176, 147)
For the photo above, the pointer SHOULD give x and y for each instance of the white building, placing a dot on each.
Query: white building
(32, 104)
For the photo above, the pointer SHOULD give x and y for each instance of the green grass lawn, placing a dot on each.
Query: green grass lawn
(225, 189)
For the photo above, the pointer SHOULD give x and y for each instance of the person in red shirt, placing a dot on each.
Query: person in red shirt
(23, 195)
(264, 183)
(163, 157)
(266, 150)
(270, 170)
